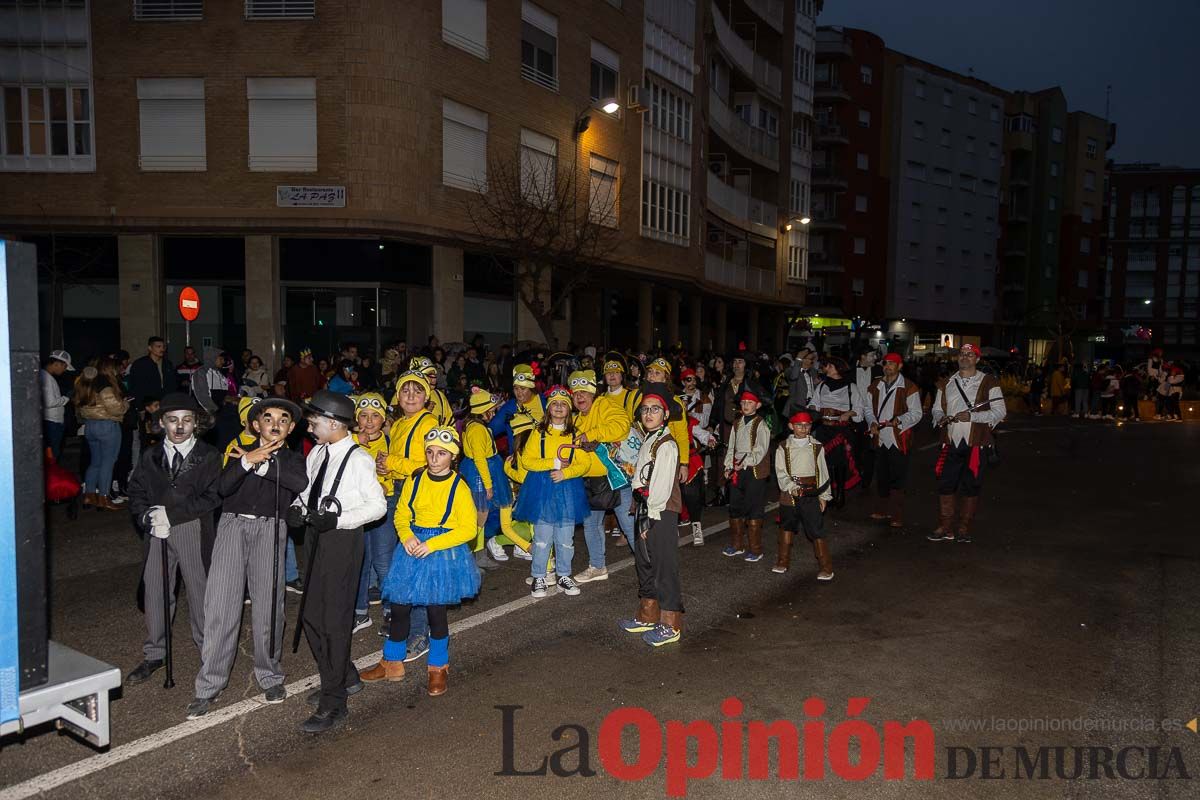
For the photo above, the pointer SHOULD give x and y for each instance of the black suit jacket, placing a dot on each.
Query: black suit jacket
(192, 494)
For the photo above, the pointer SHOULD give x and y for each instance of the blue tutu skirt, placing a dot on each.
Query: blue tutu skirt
(501, 491)
(442, 578)
(543, 500)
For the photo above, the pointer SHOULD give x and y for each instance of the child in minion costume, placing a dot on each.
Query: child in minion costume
(525, 399)
(519, 534)
(246, 436)
(615, 392)
(435, 520)
(439, 404)
(483, 470)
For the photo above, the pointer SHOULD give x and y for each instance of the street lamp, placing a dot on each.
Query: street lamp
(583, 119)
(795, 220)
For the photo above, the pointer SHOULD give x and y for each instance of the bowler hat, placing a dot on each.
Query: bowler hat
(330, 405)
(178, 401)
(274, 402)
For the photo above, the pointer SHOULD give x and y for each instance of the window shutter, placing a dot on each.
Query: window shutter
(283, 124)
(538, 18)
(464, 25)
(171, 125)
(602, 191)
(605, 56)
(539, 166)
(464, 146)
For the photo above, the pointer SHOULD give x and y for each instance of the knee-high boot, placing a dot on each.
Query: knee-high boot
(784, 559)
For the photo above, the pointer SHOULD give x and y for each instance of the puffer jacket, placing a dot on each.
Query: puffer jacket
(109, 405)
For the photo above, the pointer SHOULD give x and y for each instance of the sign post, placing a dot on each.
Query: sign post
(189, 309)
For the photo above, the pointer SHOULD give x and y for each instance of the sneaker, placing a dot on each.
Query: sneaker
(295, 587)
(752, 558)
(965, 538)
(568, 586)
(537, 587)
(361, 623)
(697, 535)
(635, 625)
(276, 694)
(824, 576)
(934, 536)
(197, 708)
(522, 554)
(483, 562)
(592, 574)
(374, 596)
(732, 551)
(416, 651)
(496, 550)
(660, 635)
(118, 499)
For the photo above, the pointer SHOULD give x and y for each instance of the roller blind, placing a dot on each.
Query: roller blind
(283, 124)
(171, 125)
(464, 146)
(464, 25)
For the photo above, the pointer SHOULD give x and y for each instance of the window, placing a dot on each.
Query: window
(942, 177)
(1021, 123)
(768, 121)
(860, 246)
(1049, 237)
(1052, 203)
(283, 124)
(971, 109)
(666, 210)
(822, 73)
(797, 256)
(804, 65)
(171, 124)
(606, 65)
(860, 203)
(940, 254)
(801, 133)
(1089, 181)
(168, 9)
(1087, 214)
(539, 167)
(602, 191)
(1085, 245)
(993, 151)
(991, 189)
(943, 216)
(464, 25)
(966, 182)
(947, 98)
(970, 144)
(860, 161)
(281, 9)
(464, 146)
(914, 250)
(915, 170)
(1056, 135)
(866, 74)
(916, 212)
(921, 89)
(995, 113)
(1092, 147)
(539, 46)
(968, 221)
(671, 113)
(918, 129)
(857, 287)
(47, 128)
(864, 118)
(1053, 169)
(944, 139)
(798, 197)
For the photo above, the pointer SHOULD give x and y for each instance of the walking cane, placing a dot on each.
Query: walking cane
(275, 559)
(169, 682)
(308, 570)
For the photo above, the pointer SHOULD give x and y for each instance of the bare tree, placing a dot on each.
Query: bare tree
(64, 265)
(537, 221)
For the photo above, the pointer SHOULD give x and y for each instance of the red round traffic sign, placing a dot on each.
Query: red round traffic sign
(189, 304)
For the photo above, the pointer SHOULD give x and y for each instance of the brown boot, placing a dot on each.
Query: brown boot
(882, 510)
(647, 616)
(966, 516)
(784, 559)
(103, 503)
(674, 619)
(384, 671)
(896, 508)
(824, 559)
(437, 680)
(737, 544)
(945, 529)
(90, 498)
(754, 530)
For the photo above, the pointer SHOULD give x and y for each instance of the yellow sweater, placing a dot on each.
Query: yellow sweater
(429, 506)
(243, 440)
(439, 405)
(678, 427)
(373, 449)
(479, 446)
(406, 453)
(622, 399)
(540, 451)
(604, 423)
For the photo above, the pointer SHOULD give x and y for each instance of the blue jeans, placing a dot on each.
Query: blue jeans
(624, 515)
(381, 543)
(104, 444)
(563, 538)
(290, 571)
(593, 528)
(53, 434)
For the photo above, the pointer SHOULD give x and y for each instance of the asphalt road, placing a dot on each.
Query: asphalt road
(1072, 613)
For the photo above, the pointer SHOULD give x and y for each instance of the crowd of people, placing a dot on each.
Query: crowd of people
(1110, 391)
(426, 469)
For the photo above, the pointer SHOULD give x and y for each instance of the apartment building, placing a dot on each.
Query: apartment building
(1151, 288)
(309, 166)
(943, 162)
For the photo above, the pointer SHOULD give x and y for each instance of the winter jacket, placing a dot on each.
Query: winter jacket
(147, 379)
(108, 404)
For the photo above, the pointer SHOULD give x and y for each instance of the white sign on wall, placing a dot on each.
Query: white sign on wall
(310, 196)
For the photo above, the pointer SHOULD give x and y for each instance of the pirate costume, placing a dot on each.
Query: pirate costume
(747, 460)
(250, 545)
(172, 495)
(803, 478)
(833, 398)
(896, 409)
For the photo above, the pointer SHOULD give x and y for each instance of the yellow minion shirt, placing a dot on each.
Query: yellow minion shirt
(406, 451)
(479, 446)
(425, 501)
(439, 406)
(242, 440)
(541, 451)
(380, 445)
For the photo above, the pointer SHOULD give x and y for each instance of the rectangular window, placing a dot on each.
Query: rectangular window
(539, 167)
(281, 9)
(970, 144)
(464, 146)
(943, 216)
(539, 46)
(991, 189)
(861, 162)
(171, 124)
(464, 25)
(918, 130)
(914, 250)
(995, 114)
(921, 89)
(993, 151)
(947, 98)
(671, 113)
(666, 211)
(866, 74)
(606, 65)
(602, 191)
(939, 254)
(1052, 203)
(966, 182)
(944, 139)
(1087, 214)
(1053, 169)
(1085, 245)
(1092, 147)
(857, 287)
(168, 9)
(860, 203)
(1056, 135)
(916, 212)
(864, 118)
(1089, 181)
(283, 124)
(860, 246)
(796, 263)
(971, 109)
(942, 177)
(47, 122)
(968, 221)
(914, 170)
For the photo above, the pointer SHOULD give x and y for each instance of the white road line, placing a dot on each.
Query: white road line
(88, 766)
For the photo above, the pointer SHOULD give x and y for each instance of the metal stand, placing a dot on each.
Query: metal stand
(75, 697)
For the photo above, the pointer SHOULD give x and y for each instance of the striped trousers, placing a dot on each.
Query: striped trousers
(242, 559)
(183, 555)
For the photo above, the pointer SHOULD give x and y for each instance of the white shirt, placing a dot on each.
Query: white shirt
(847, 398)
(359, 493)
(800, 453)
(992, 414)
(183, 448)
(908, 417)
(662, 475)
(53, 403)
(696, 409)
(740, 448)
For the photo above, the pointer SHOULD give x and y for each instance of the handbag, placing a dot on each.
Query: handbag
(600, 495)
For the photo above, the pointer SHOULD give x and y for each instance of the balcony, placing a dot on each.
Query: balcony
(1022, 180)
(770, 11)
(832, 134)
(826, 222)
(739, 276)
(743, 56)
(832, 92)
(753, 142)
(823, 177)
(824, 263)
(742, 209)
(834, 43)
(801, 158)
(1019, 140)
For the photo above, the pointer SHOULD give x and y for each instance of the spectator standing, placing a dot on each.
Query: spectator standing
(152, 375)
(304, 379)
(54, 403)
(1080, 382)
(101, 403)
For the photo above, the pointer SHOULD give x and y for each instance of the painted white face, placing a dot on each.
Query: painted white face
(179, 426)
(323, 429)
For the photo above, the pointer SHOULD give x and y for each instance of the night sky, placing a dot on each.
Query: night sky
(1147, 51)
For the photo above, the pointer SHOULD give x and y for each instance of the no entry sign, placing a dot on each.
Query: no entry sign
(189, 304)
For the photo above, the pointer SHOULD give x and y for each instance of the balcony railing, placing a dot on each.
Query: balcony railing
(281, 9)
(753, 141)
(168, 9)
(832, 90)
(769, 10)
(742, 205)
(738, 276)
(743, 55)
(828, 177)
(832, 133)
(834, 43)
(801, 158)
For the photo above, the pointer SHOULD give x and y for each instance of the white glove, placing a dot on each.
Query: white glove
(160, 531)
(158, 517)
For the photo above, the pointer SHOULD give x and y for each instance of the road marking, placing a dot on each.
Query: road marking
(117, 755)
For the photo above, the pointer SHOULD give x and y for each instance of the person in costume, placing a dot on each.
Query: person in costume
(804, 492)
(404, 457)
(747, 468)
(967, 406)
(659, 617)
(247, 436)
(615, 392)
(435, 519)
(597, 425)
(866, 374)
(379, 538)
(173, 493)
(552, 496)
(258, 484)
(700, 440)
(439, 404)
(892, 412)
(658, 371)
(343, 494)
(483, 470)
(524, 399)
(517, 533)
(837, 401)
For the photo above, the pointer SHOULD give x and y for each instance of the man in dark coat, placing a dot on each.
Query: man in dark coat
(152, 375)
(172, 496)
